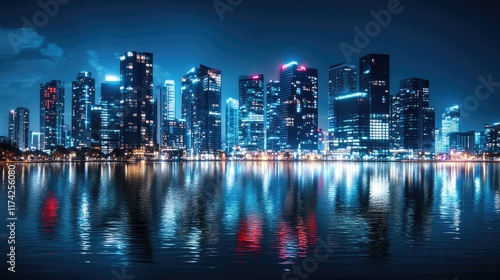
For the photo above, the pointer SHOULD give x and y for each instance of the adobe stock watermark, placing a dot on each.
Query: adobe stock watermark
(223, 6)
(11, 218)
(309, 265)
(49, 9)
(483, 92)
(363, 38)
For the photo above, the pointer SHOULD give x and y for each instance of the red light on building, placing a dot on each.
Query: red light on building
(255, 77)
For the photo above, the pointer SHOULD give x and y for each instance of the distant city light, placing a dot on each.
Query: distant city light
(352, 95)
(112, 79)
(288, 65)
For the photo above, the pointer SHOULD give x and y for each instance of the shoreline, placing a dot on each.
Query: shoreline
(250, 160)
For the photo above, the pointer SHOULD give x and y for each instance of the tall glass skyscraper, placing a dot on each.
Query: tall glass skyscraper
(251, 102)
(52, 96)
(341, 80)
(111, 115)
(173, 130)
(414, 119)
(19, 127)
(139, 114)
(201, 108)
(298, 109)
(82, 101)
(272, 117)
(450, 123)
(232, 124)
(492, 138)
(168, 100)
(374, 79)
(352, 122)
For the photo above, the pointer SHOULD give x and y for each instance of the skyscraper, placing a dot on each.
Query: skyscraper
(168, 100)
(232, 124)
(251, 102)
(12, 124)
(19, 127)
(298, 109)
(82, 102)
(174, 134)
(96, 127)
(492, 138)
(52, 114)
(272, 117)
(352, 122)
(111, 115)
(139, 115)
(450, 123)
(414, 119)
(374, 79)
(201, 108)
(341, 80)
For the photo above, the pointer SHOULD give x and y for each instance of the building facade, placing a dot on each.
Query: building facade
(201, 108)
(298, 108)
(492, 138)
(19, 127)
(341, 80)
(83, 98)
(413, 120)
(232, 124)
(139, 108)
(352, 122)
(450, 123)
(272, 116)
(52, 95)
(111, 115)
(251, 122)
(174, 134)
(374, 79)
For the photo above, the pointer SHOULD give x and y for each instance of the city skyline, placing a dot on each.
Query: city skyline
(54, 54)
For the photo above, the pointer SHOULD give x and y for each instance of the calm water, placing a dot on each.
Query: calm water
(237, 220)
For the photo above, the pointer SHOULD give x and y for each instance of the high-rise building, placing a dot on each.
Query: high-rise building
(341, 80)
(201, 108)
(36, 141)
(492, 138)
(12, 123)
(232, 124)
(298, 109)
(394, 128)
(19, 127)
(450, 123)
(83, 99)
(111, 115)
(251, 101)
(479, 142)
(272, 116)
(374, 79)
(463, 141)
(168, 100)
(438, 141)
(174, 134)
(352, 122)
(139, 114)
(413, 120)
(96, 127)
(52, 114)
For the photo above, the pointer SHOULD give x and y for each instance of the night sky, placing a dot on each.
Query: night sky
(451, 43)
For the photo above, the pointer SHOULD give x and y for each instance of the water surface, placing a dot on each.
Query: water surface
(255, 220)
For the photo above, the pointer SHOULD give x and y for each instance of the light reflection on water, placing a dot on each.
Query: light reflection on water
(223, 219)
